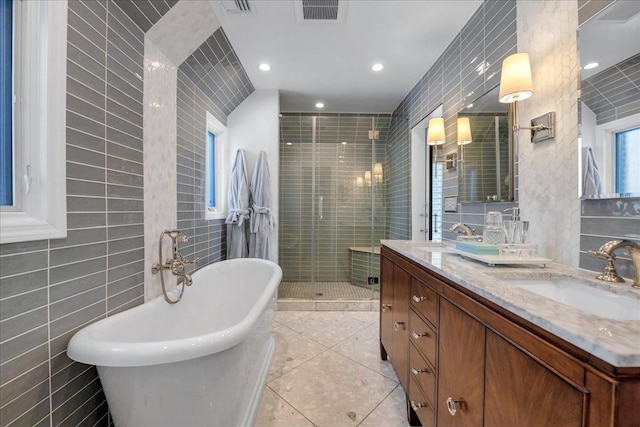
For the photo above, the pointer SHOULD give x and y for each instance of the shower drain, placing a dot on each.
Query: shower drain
(319, 294)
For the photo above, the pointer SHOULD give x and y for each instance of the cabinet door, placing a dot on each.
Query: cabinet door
(521, 392)
(461, 368)
(386, 308)
(400, 353)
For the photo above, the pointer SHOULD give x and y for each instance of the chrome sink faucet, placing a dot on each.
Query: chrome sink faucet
(607, 253)
(463, 229)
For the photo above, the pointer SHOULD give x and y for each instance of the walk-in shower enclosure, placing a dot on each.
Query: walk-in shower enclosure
(332, 196)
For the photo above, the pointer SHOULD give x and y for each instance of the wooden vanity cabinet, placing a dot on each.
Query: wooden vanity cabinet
(461, 372)
(479, 365)
(394, 315)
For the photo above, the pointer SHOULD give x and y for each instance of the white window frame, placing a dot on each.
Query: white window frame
(216, 127)
(39, 211)
(605, 148)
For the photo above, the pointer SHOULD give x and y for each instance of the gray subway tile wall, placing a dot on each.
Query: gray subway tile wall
(468, 68)
(604, 220)
(207, 239)
(55, 287)
(49, 289)
(614, 93)
(216, 70)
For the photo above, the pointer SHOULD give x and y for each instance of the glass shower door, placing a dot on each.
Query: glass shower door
(332, 213)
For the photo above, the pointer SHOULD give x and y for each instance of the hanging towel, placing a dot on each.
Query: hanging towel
(238, 197)
(591, 182)
(262, 220)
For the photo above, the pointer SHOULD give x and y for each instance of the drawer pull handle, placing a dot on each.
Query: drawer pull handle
(416, 335)
(415, 406)
(386, 307)
(398, 325)
(454, 404)
(415, 371)
(416, 298)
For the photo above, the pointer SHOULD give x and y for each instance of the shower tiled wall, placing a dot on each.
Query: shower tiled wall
(469, 67)
(49, 289)
(348, 216)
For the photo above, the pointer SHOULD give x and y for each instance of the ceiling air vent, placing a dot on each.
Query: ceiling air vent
(320, 9)
(236, 6)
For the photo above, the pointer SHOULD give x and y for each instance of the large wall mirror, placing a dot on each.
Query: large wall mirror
(609, 47)
(485, 157)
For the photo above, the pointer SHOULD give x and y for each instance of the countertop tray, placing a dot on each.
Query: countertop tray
(493, 260)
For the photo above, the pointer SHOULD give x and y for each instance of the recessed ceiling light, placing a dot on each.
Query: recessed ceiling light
(590, 65)
(265, 67)
(377, 67)
(319, 105)
(344, 142)
(470, 105)
(289, 143)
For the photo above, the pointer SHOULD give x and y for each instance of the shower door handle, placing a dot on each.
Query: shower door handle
(320, 200)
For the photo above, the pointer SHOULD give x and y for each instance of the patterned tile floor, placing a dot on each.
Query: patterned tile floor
(327, 372)
(325, 290)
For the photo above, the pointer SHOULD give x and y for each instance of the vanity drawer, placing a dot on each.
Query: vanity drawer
(422, 374)
(423, 337)
(421, 405)
(425, 301)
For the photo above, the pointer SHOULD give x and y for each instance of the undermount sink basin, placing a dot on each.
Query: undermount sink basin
(575, 293)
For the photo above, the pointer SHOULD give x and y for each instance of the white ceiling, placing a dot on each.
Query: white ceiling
(331, 62)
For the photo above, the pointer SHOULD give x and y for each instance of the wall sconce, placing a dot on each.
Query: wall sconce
(435, 135)
(377, 172)
(464, 134)
(516, 85)
(367, 178)
(464, 131)
(359, 182)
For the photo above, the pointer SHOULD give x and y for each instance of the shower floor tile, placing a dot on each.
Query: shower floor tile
(346, 384)
(325, 291)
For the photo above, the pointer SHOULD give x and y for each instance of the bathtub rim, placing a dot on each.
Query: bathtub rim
(85, 348)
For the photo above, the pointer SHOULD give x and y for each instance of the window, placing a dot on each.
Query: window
(6, 105)
(32, 182)
(627, 161)
(211, 170)
(215, 196)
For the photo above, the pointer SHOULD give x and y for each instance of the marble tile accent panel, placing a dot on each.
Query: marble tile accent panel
(160, 76)
(549, 182)
(168, 32)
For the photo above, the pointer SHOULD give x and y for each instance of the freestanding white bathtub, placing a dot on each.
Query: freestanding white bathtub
(200, 362)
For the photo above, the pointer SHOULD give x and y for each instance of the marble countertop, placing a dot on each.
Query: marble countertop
(614, 341)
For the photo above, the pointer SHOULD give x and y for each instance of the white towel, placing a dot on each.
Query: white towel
(591, 182)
